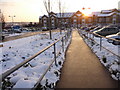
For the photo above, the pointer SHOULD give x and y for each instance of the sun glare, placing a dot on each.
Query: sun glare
(87, 12)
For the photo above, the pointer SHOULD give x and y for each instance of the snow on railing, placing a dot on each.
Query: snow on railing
(63, 39)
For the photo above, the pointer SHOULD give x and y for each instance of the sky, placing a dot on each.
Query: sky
(30, 10)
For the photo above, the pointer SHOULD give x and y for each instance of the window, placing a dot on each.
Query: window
(83, 20)
(100, 19)
(89, 20)
(52, 17)
(114, 16)
(52, 21)
(74, 17)
(45, 21)
(107, 19)
(52, 24)
(75, 20)
(45, 24)
(44, 17)
(78, 14)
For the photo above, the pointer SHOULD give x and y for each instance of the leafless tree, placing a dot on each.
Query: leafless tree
(2, 20)
(2, 24)
(61, 12)
(47, 4)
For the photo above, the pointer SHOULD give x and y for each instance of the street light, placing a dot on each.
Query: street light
(12, 19)
(12, 22)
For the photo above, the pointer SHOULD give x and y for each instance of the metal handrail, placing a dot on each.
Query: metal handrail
(7, 73)
(102, 46)
(38, 82)
(105, 48)
(103, 36)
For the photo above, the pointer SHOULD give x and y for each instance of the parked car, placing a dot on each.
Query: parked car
(44, 28)
(16, 29)
(107, 31)
(114, 36)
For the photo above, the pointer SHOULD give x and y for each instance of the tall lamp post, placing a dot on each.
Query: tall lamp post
(12, 17)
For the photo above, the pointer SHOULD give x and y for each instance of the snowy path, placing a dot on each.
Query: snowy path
(82, 68)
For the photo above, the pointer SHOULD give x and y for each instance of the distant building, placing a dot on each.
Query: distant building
(76, 19)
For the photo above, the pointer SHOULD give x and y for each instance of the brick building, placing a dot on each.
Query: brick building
(76, 19)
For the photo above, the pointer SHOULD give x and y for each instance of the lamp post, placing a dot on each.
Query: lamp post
(12, 17)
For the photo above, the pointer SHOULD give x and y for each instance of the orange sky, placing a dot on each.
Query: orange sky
(30, 10)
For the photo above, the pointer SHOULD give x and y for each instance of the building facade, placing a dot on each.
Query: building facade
(76, 19)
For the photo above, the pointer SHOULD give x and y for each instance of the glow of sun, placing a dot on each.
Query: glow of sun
(87, 12)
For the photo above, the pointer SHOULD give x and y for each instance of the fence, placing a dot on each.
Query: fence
(63, 39)
(90, 37)
(107, 57)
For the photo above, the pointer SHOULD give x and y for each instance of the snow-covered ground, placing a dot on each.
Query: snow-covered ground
(6, 34)
(14, 34)
(16, 51)
(110, 61)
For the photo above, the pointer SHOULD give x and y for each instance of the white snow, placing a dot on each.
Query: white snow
(16, 51)
(22, 83)
(105, 15)
(14, 34)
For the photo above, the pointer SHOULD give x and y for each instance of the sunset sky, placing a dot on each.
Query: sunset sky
(30, 10)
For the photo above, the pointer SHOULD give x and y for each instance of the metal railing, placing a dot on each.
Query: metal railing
(63, 39)
(112, 54)
(100, 43)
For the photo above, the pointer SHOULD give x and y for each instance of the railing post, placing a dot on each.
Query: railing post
(65, 39)
(62, 44)
(92, 35)
(87, 34)
(100, 43)
(55, 54)
(67, 35)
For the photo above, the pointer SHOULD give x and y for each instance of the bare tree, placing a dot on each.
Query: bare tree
(47, 4)
(2, 25)
(2, 20)
(61, 12)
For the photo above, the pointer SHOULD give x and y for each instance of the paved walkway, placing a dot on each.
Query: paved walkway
(82, 68)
